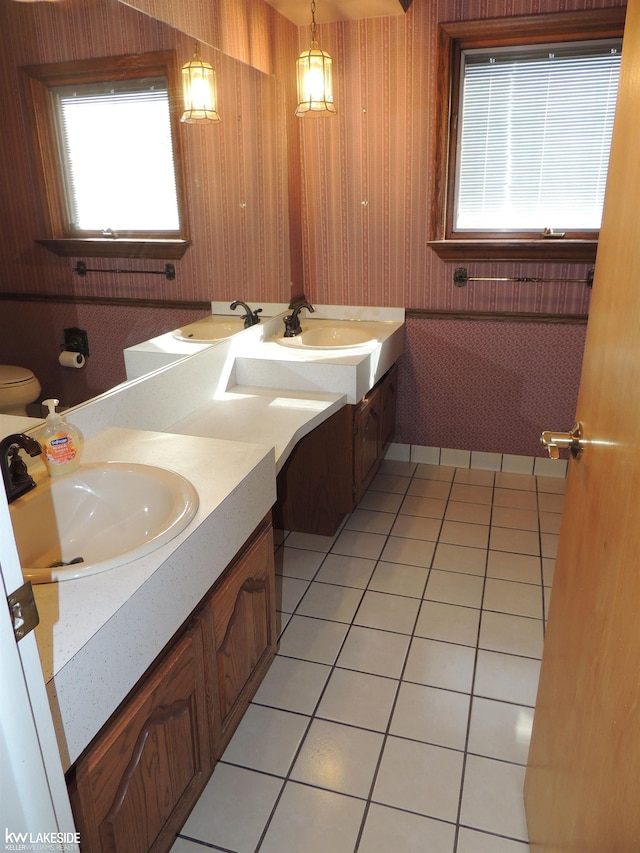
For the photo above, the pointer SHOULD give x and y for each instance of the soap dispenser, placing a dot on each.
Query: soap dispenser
(61, 443)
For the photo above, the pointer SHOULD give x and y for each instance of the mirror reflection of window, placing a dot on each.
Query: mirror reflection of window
(117, 156)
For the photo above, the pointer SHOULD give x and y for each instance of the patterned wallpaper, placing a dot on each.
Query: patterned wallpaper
(487, 386)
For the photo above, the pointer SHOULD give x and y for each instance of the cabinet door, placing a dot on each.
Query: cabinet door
(245, 629)
(389, 392)
(137, 783)
(366, 442)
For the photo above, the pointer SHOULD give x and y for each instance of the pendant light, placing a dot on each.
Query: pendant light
(315, 88)
(199, 89)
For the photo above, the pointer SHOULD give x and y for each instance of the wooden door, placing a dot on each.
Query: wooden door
(582, 788)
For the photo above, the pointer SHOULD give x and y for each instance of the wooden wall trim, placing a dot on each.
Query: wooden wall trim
(104, 300)
(497, 316)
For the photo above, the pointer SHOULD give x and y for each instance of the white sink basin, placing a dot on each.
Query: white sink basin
(209, 329)
(330, 336)
(103, 515)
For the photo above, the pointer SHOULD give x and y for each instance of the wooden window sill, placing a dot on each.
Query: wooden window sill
(97, 247)
(515, 250)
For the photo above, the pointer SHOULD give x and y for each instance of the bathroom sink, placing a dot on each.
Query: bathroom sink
(209, 329)
(98, 517)
(330, 336)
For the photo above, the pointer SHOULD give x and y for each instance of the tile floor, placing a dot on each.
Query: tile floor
(397, 714)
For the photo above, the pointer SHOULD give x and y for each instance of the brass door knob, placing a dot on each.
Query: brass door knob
(574, 440)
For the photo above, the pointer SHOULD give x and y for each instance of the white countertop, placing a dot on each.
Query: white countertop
(98, 635)
(225, 418)
(277, 419)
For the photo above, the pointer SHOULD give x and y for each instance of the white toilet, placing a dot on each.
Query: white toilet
(18, 388)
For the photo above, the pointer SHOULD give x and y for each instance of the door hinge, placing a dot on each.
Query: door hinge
(23, 610)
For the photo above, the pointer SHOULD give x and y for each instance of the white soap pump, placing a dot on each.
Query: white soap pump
(61, 442)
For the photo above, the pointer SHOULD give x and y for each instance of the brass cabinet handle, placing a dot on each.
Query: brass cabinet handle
(574, 440)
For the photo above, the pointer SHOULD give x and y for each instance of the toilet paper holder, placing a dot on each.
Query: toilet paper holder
(75, 340)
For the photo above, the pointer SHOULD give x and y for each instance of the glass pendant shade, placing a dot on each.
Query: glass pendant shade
(200, 94)
(315, 86)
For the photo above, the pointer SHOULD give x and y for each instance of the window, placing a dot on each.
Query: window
(109, 160)
(523, 149)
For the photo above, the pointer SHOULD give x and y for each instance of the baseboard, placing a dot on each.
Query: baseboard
(536, 465)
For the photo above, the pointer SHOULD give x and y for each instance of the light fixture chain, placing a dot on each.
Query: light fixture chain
(313, 23)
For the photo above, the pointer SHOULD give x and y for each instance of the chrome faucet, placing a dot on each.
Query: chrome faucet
(15, 476)
(251, 317)
(292, 325)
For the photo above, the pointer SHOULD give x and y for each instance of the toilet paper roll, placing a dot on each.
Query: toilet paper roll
(71, 359)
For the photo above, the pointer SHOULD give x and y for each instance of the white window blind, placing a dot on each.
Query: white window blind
(533, 148)
(118, 157)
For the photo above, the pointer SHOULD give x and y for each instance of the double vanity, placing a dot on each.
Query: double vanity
(151, 662)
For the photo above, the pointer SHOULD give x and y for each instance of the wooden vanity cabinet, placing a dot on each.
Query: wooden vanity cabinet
(374, 420)
(144, 773)
(330, 469)
(135, 784)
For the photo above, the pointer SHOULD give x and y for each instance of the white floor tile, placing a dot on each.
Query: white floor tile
(513, 567)
(417, 527)
(520, 599)
(428, 488)
(427, 507)
(358, 699)
(329, 601)
(454, 588)
(381, 501)
(471, 841)
(506, 677)
(516, 541)
(338, 757)
(515, 498)
(458, 558)
(297, 562)
(413, 552)
(399, 579)
(233, 809)
(388, 829)
(420, 778)
(293, 685)
(431, 715)
(461, 533)
(500, 730)
(515, 635)
(440, 665)
(387, 612)
(313, 639)
(370, 521)
(448, 622)
(314, 821)
(353, 543)
(267, 740)
(375, 652)
(346, 571)
(468, 512)
(492, 797)
(289, 591)
(468, 493)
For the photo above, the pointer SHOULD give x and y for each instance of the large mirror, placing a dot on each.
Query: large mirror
(237, 197)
